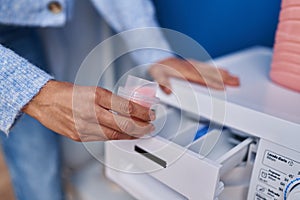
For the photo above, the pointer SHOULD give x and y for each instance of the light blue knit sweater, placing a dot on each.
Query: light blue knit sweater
(20, 81)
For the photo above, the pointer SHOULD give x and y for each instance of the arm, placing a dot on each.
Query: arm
(132, 14)
(80, 113)
(20, 81)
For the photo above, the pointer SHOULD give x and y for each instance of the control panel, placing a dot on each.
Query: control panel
(276, 173)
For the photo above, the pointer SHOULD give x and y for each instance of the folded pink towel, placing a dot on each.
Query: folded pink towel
(286, 58)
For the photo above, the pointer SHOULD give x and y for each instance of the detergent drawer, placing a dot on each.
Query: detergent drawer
(177, 158)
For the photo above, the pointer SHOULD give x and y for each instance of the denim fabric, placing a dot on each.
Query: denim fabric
(121, 15)
(33, 158)
(32, 12)
(31, 150)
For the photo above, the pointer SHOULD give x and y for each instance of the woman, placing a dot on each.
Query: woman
(31, 150)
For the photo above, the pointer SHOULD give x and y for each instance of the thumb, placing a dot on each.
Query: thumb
(166, 89)
(164, 83)
(161, 78)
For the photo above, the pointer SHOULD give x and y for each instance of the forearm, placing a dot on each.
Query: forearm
(20, 81)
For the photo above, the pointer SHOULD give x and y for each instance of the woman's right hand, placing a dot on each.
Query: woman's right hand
(89, 113)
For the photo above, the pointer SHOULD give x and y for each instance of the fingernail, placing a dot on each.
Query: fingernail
(152, 115)
(168, 90)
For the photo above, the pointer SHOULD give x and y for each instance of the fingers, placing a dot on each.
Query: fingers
(191, 70)
(116, 118)
(98, 132)
(214, 84)
(215, 77)
(203, 74)
(231, 80)
(224, 77)
(107, 100)
(123, 124)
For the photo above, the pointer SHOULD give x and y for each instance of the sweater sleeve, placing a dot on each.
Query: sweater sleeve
(20, 81)
(136, 14)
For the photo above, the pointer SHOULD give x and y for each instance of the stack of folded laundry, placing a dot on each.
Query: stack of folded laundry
(286, 59)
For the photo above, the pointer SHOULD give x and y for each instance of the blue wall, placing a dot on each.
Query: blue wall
(222, 26)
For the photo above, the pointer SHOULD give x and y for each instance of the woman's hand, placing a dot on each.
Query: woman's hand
(193, 71)
(89, 113)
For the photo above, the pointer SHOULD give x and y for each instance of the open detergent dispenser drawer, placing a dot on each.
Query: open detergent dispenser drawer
(183, 152)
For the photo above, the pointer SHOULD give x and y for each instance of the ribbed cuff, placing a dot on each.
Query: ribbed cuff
(20, 81)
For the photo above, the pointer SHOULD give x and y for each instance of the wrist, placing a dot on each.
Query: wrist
(46, 97)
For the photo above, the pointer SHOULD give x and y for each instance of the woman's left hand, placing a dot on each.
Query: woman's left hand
(191, 70)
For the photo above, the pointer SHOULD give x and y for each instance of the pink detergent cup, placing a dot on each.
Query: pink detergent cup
(146, 91)
(144, 96)
(285, 69)
(140, 91)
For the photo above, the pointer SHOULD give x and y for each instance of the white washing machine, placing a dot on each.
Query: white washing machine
(237, 144)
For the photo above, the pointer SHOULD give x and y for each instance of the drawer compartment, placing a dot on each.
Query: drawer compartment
(177, 159)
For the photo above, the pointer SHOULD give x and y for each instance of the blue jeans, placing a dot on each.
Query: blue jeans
(31, 151)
